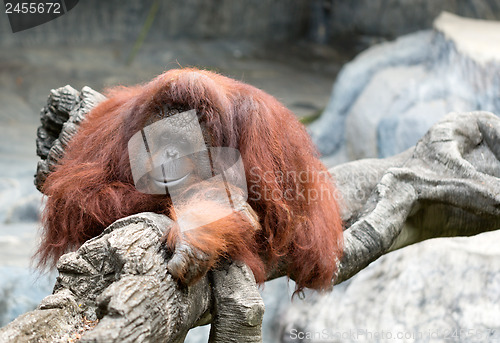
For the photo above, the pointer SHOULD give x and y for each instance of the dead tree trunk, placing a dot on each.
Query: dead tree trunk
(447, 185)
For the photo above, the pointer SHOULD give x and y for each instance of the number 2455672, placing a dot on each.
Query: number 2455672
(26, 7)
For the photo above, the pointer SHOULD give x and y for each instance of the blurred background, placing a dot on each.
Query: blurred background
(368, 77)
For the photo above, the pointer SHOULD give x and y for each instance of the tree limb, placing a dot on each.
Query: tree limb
(447, 185)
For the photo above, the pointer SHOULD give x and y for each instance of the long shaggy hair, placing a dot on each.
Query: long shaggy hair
(289, 188)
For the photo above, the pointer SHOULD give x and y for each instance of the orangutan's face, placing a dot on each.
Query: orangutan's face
(169, 155)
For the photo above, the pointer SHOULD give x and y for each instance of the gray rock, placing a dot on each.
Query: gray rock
(199, 334)
(13, 109)
(396, 133)
(277, 297)
(27, 209)
(445, 289)
(365, 113)
(19, 200)
(328, 131)
(390, 95)
(21, 290)
(9, 189)
(17, 244)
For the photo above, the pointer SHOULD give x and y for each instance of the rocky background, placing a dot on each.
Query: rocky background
(401, 83)
(390, 95)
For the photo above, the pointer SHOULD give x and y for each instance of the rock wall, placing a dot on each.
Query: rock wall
(323, 21)
(97, 22)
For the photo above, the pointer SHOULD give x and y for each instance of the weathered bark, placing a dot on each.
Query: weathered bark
(239, 309)
(121, 277)
(448, 185)
(65, 110)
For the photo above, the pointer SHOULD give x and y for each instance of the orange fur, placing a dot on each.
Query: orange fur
(232, 236)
